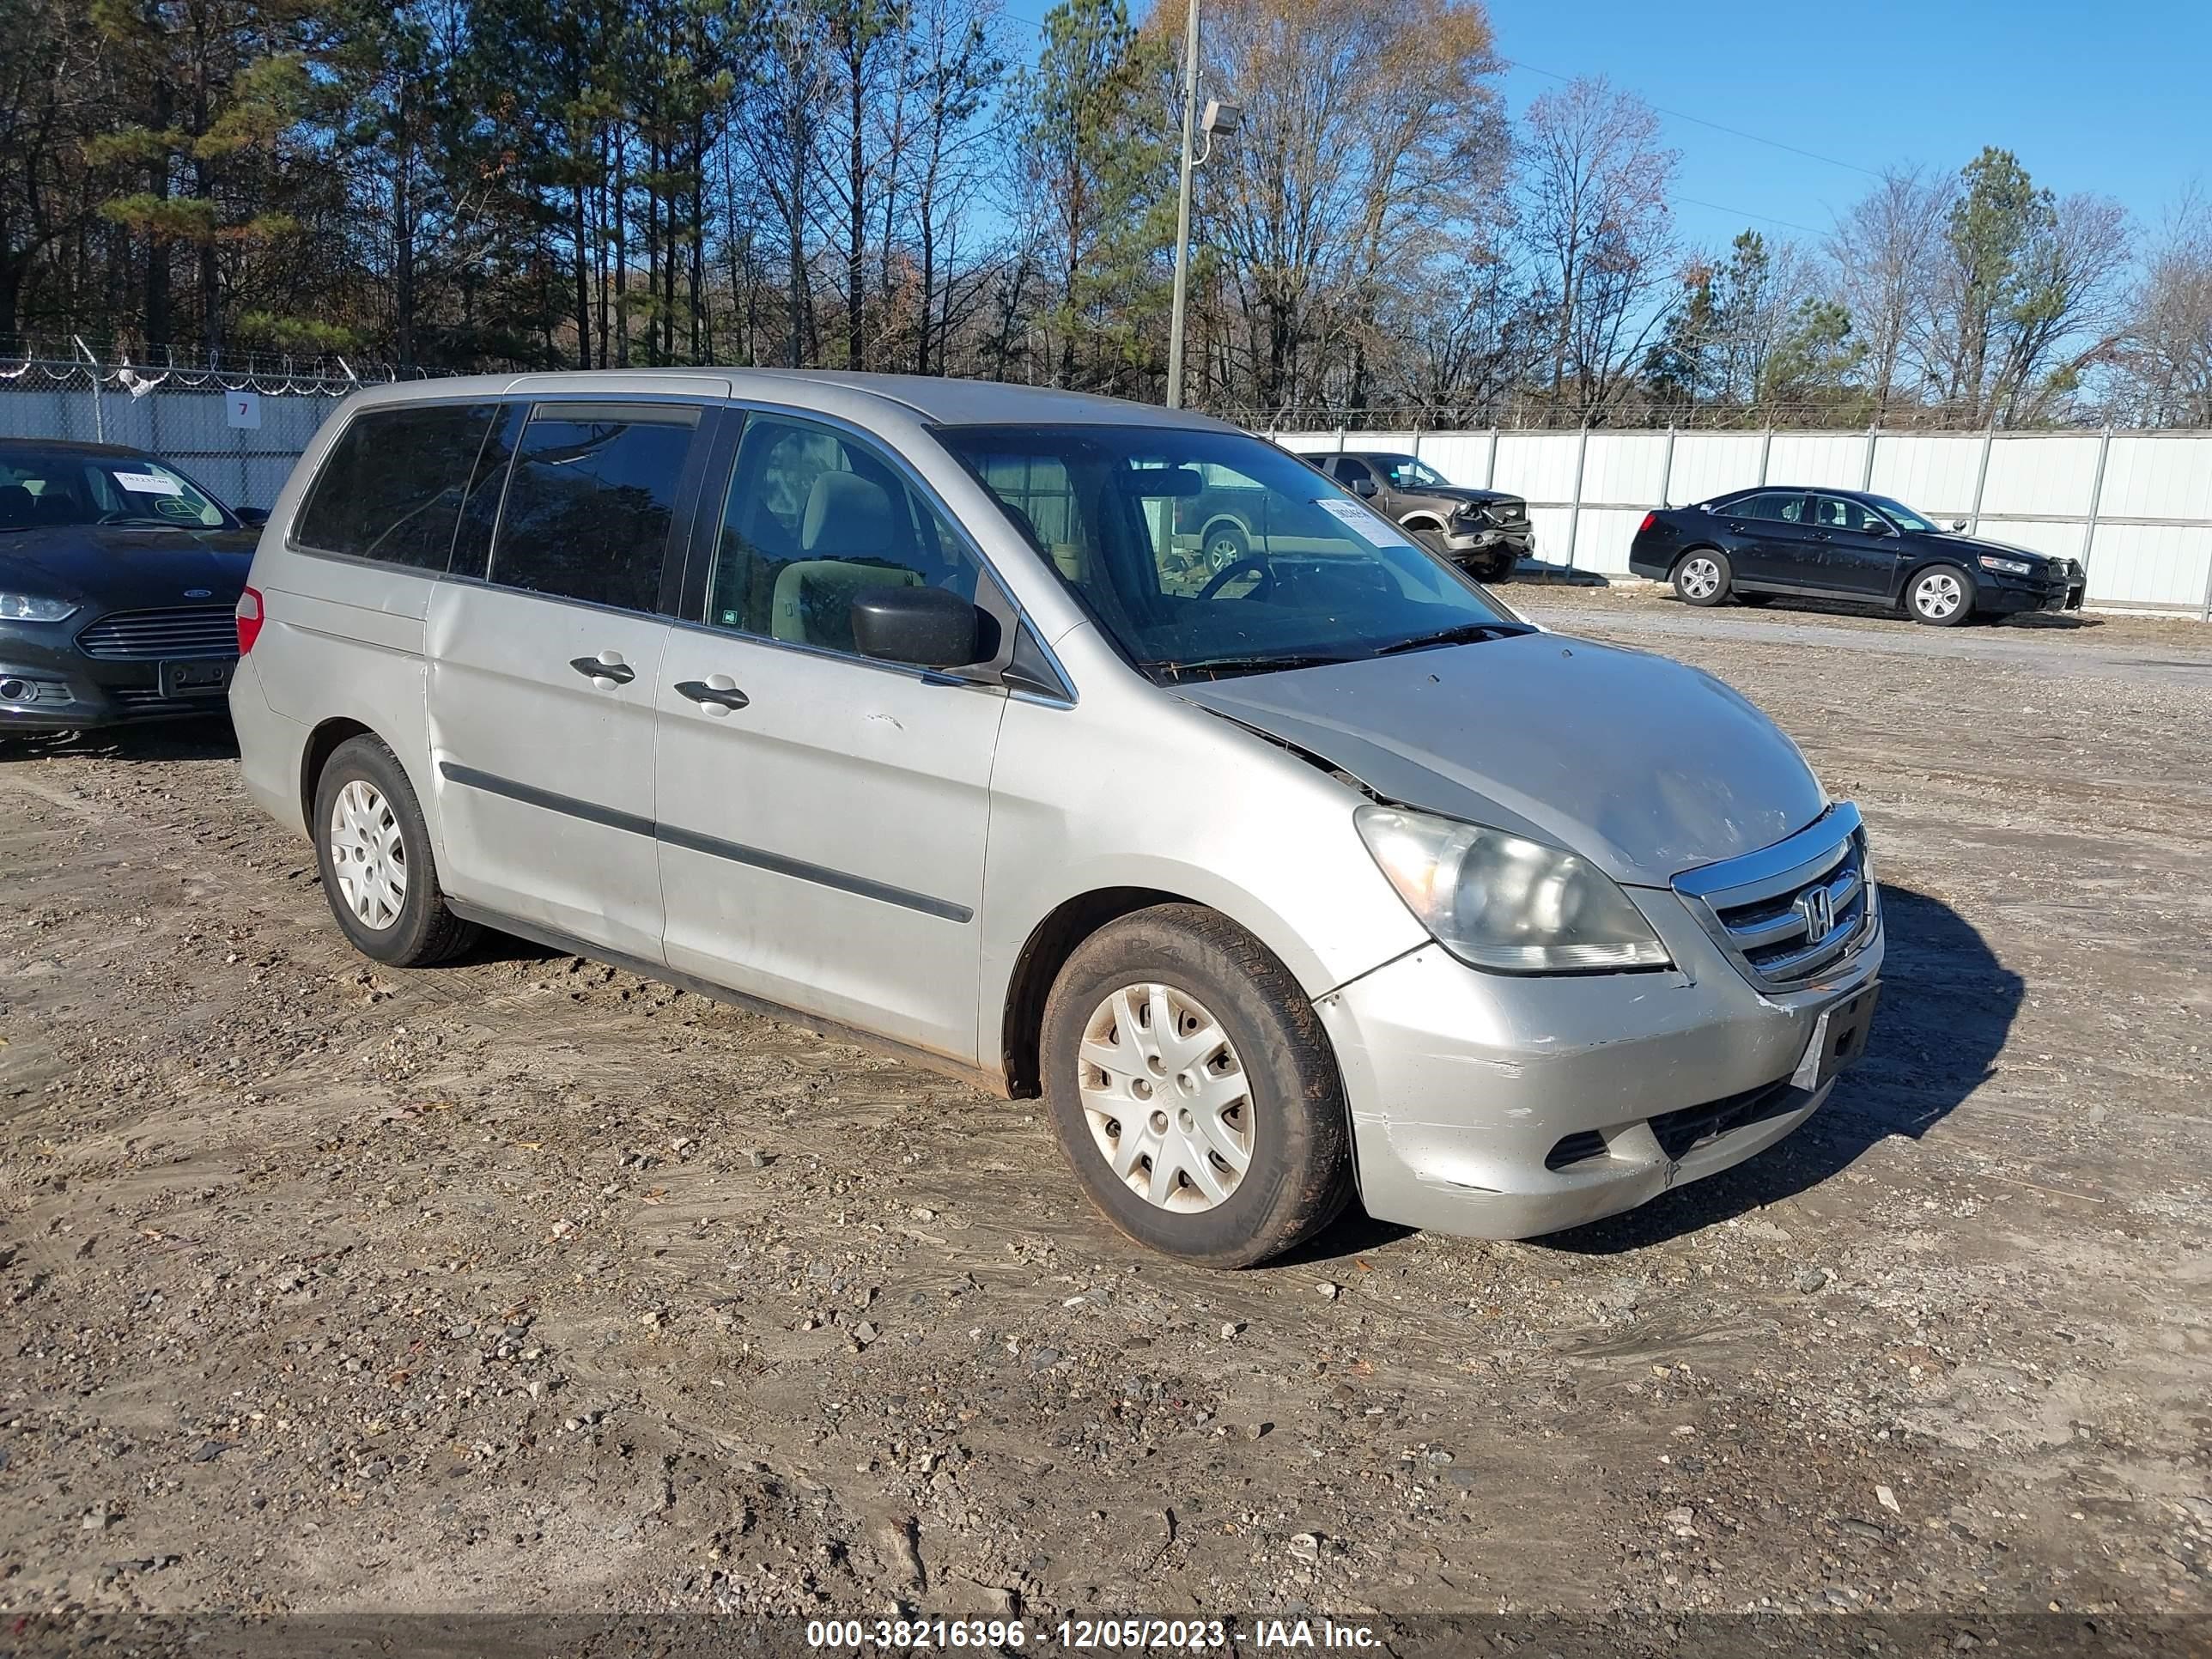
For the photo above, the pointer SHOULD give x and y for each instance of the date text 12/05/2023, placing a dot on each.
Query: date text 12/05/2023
(1085, 1635)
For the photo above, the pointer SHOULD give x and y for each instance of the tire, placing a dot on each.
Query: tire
(1702, 577)
(1941, 596)
(363, 798)
(1225, 543)
(1429, 536)
(1289, 1121)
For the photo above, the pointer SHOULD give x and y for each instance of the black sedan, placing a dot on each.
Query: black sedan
(118, 576)
(1844, 544)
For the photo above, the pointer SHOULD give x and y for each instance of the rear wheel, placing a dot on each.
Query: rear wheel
(1702, 578)
(1193, 1090)
(1942, 596)
(374, 852)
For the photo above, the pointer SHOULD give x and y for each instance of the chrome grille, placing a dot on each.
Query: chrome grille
(1794, 910)
(185, 633)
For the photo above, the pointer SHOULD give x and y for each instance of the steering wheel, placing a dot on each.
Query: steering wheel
(1250, 562)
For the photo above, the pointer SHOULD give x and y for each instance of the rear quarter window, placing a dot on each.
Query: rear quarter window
(392, 487)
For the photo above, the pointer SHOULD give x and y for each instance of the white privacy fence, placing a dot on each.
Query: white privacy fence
(2135, 507)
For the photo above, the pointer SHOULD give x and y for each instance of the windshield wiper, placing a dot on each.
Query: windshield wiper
(1176, 671)
(1465, 634)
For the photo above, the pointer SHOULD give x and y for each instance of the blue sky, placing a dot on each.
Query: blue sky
(2115, 98)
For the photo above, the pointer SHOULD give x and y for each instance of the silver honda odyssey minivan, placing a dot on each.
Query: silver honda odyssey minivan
(914, 710)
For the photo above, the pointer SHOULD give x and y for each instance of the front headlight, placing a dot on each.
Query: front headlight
(1506, 903)
(29, 607)
(2010, 567)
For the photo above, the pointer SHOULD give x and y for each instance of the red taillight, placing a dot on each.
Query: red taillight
(1649, 519)
(249, 620)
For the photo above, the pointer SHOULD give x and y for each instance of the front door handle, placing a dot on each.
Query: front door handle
(608, 666)
(717, 694)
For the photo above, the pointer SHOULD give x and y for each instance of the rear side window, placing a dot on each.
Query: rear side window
(590, 500)
(391, 487)
(1773, 507)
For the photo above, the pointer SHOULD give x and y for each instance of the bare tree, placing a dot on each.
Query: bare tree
(1595, 213)
(1884, 247)
(1370, 129)
(2169, 358)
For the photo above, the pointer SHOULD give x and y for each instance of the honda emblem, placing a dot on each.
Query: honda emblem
(1818, 906)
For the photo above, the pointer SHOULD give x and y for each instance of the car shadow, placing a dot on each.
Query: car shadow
(1947, 1004)
(197, 737)
(1793, 604)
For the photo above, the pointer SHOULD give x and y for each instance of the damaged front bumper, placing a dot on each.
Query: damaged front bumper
(1496, 1107)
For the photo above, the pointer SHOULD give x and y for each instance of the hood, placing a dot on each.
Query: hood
(1472, 496)
(1642, 765)
(126, 567)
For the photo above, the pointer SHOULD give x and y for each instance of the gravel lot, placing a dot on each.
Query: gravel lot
(527, 1283)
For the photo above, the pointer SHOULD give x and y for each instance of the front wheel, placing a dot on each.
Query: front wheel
(1194, 1090)
(1942, 596)
(1225, 546)
(1703, 577)
(374, 852)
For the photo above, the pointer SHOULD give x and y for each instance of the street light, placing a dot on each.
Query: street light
(1220, 119)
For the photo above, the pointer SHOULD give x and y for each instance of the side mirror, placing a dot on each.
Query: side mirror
(252, 517)
(1958, 524)
(926, 627)
(1363, 488)
(1879, 527)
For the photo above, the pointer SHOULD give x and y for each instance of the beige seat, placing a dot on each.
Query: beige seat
(845, 534)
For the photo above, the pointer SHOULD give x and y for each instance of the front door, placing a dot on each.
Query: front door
(822, 816)
(543, 672)
(1777, 538)
(1861, 553)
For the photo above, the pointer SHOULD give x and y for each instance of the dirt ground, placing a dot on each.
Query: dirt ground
(530, 1285)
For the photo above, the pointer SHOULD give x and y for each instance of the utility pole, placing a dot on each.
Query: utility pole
(1182, 205)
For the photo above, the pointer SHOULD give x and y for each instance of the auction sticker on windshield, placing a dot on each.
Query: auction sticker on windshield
(149, 484)
(1375, 531)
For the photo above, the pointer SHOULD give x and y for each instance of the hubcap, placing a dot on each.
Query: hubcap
(1701, 579)
(1166, 1098)
(368, 855)
(1938, 594)
(1223, 553)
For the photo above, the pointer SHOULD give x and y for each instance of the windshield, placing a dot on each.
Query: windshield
(1407, 473)
(1212, 552)
(1899, 514)
(40, 487)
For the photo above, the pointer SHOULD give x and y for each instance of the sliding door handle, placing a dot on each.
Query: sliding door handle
(718, 694)
(606, 666)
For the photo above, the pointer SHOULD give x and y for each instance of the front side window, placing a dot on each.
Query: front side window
(590, 500)
(40, 487)
(1772, 507)
(1841, 513)
(1202, 551)
(1350, 472)
(811, 518)
(391, 487)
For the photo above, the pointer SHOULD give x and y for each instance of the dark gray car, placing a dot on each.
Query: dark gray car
(1484, 531)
